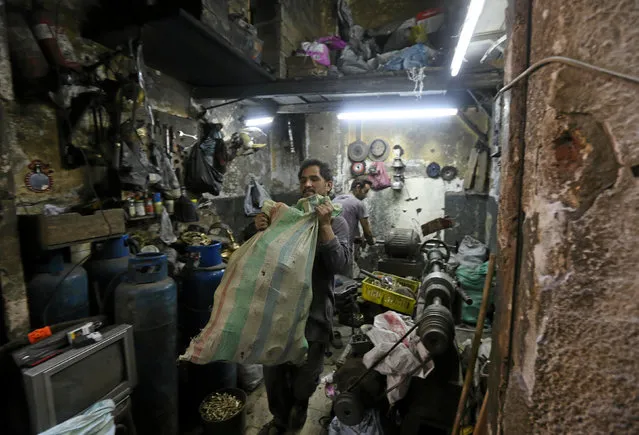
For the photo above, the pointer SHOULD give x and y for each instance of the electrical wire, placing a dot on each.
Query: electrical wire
(566, 61)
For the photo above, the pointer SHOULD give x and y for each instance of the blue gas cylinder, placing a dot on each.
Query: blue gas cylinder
(59, 292)
(200, 280)
(147, 299)
(107, 268)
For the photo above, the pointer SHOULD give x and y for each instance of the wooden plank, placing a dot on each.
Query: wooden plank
(470, 171)
(69, 228)
(512, 112)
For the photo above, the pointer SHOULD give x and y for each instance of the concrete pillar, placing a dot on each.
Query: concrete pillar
(568, 226)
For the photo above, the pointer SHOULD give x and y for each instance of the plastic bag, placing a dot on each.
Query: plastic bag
(408, 359)
(471, 252)
(350, 63)
(251, 376)
(380, 179)
(162, 165)
(318, 52)
(97, 419)
(400, 38)
(255, 197)
(132, 168)
(333, 42)
(200, 175)
(370, 425)
(166, 229)
(415, 56)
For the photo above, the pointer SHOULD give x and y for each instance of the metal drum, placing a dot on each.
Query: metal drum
(107, 268)
(58, 292)
(201, 278)
(147, 299)
(402, 243)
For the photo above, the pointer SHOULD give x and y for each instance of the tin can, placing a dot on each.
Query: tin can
(139, 208)
(169, 204)
(148, 207)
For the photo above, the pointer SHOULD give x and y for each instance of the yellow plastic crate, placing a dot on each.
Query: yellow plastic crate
(389, 299)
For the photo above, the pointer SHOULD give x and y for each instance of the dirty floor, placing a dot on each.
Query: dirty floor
(319, 408)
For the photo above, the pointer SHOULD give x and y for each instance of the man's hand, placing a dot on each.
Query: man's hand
(324, 214)
(324, 218)
(262, 222)
(370, 240)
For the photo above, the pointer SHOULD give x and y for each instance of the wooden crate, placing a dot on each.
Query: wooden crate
(71, 228)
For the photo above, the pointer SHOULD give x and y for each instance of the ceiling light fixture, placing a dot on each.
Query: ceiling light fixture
(256, 122)
(398, 114)
(472, 16)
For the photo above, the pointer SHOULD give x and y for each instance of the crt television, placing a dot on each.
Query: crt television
(67, 384)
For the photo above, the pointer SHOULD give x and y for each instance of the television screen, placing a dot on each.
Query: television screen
(80, 385)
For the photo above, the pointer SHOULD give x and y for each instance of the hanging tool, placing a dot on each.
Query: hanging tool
(182, 134)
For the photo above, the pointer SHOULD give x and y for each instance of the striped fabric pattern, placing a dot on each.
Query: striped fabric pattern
(261, 306)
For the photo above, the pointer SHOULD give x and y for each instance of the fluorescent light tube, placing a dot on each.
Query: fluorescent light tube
(398, 114)
(255, 122)
(474, 11)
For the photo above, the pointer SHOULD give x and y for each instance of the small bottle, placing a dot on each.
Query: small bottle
(148, 206)
(157, 203)
(139, 208)
(130, 207)
(169, 205)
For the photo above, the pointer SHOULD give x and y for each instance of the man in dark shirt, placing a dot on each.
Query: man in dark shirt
(289, 387)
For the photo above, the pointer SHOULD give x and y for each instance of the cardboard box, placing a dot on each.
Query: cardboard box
(304, 66)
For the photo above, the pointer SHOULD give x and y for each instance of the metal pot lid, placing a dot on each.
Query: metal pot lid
(379, 150)
(357, 151)
(358, 168)
(433, 170)
(448, 173)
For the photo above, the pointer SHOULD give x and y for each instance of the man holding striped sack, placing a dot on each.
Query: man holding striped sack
(289, 386)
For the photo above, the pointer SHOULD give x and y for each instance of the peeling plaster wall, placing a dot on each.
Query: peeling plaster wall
(575, 336)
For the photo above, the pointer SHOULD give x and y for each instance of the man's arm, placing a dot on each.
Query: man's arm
(335, 251)
(368, 232)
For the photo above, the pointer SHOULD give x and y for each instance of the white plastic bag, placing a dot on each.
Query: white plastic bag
(95, 420)
(318, 52)
(471, 252)
(254, 198)
(404, 361)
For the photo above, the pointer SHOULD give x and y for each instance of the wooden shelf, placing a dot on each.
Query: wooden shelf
(184, 48)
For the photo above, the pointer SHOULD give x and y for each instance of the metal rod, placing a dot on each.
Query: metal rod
(476, 342)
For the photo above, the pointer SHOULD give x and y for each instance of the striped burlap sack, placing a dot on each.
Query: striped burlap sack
(261, 305)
